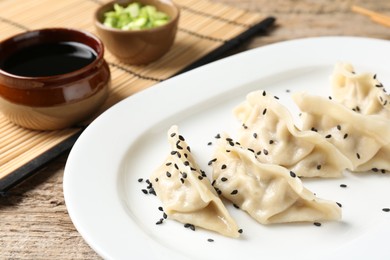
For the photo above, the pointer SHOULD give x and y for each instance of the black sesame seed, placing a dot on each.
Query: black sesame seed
(211, 161)
(236, 206)
(210, 240)
(168, 174)
(358, 155)
(386, 209)
(140, 180)
(192, 227)
(224, 179)
(186, 163)
(173, 134)
(181, 138)
(258, 153)
(318, 224)
(287, 90)
(264, 111)
(218, 136)
(209, 143)
(223, 166)
(187, 225)
(271, 141)
(338, 127)
(147, 181)
(240, 231)
(343, 185)
(237, 143)
(177, 167)
(173, 152)
(152, 191)
(383, 171)
(328, 136)
(168, 163)
(379, 85)
(345, 136)
(212, 184)
(160, 221)
(265, 151)
(234, 192)
(182, 180)
(145, 191)
(339, 204)
(374, 76)
(165, 215)
(185, 155)
(276, 97)
(319, 167)
(264, 93)
(184, 175)
(251, 150)
(228, 151)
(189, 148)
(375, 169)
(385, 103)
(314, 129)
(160, 208)
(200, 177)
(292, 174)
(244, 126)
(357, 109)
(229, 139)
(255, 135)
(330, 98)
(231, 143)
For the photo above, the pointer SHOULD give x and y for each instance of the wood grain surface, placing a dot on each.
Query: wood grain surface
(34, 223)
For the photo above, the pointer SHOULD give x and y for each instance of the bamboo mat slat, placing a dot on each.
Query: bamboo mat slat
(203, 27)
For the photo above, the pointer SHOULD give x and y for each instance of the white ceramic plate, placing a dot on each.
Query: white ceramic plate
(128, 142)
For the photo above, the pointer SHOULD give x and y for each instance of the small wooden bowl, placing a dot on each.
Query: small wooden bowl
(56, 101)
(139, 47)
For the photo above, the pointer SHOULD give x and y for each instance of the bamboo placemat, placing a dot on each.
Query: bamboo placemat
(203, 28)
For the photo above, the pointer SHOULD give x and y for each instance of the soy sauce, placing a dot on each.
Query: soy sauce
(49, 59)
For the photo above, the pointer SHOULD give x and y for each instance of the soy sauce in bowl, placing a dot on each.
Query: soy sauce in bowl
(52, 78)
(49, 59)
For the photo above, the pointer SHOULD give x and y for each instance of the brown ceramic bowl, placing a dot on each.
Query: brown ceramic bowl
(139, 47)
(52, 101)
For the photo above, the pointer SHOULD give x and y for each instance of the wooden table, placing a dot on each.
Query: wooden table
(34, 223)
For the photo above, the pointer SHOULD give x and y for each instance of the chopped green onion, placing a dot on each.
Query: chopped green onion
(135, 16)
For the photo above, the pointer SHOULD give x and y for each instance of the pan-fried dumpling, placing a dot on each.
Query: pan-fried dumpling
(269, 130)
(362, 93)
(269, 193)
(364, 139)
(186, 193)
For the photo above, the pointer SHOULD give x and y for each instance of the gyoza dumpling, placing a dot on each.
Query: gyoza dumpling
(186, 193)
(362, 93)
(269, 193)
(365, 140)
(269, 130)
